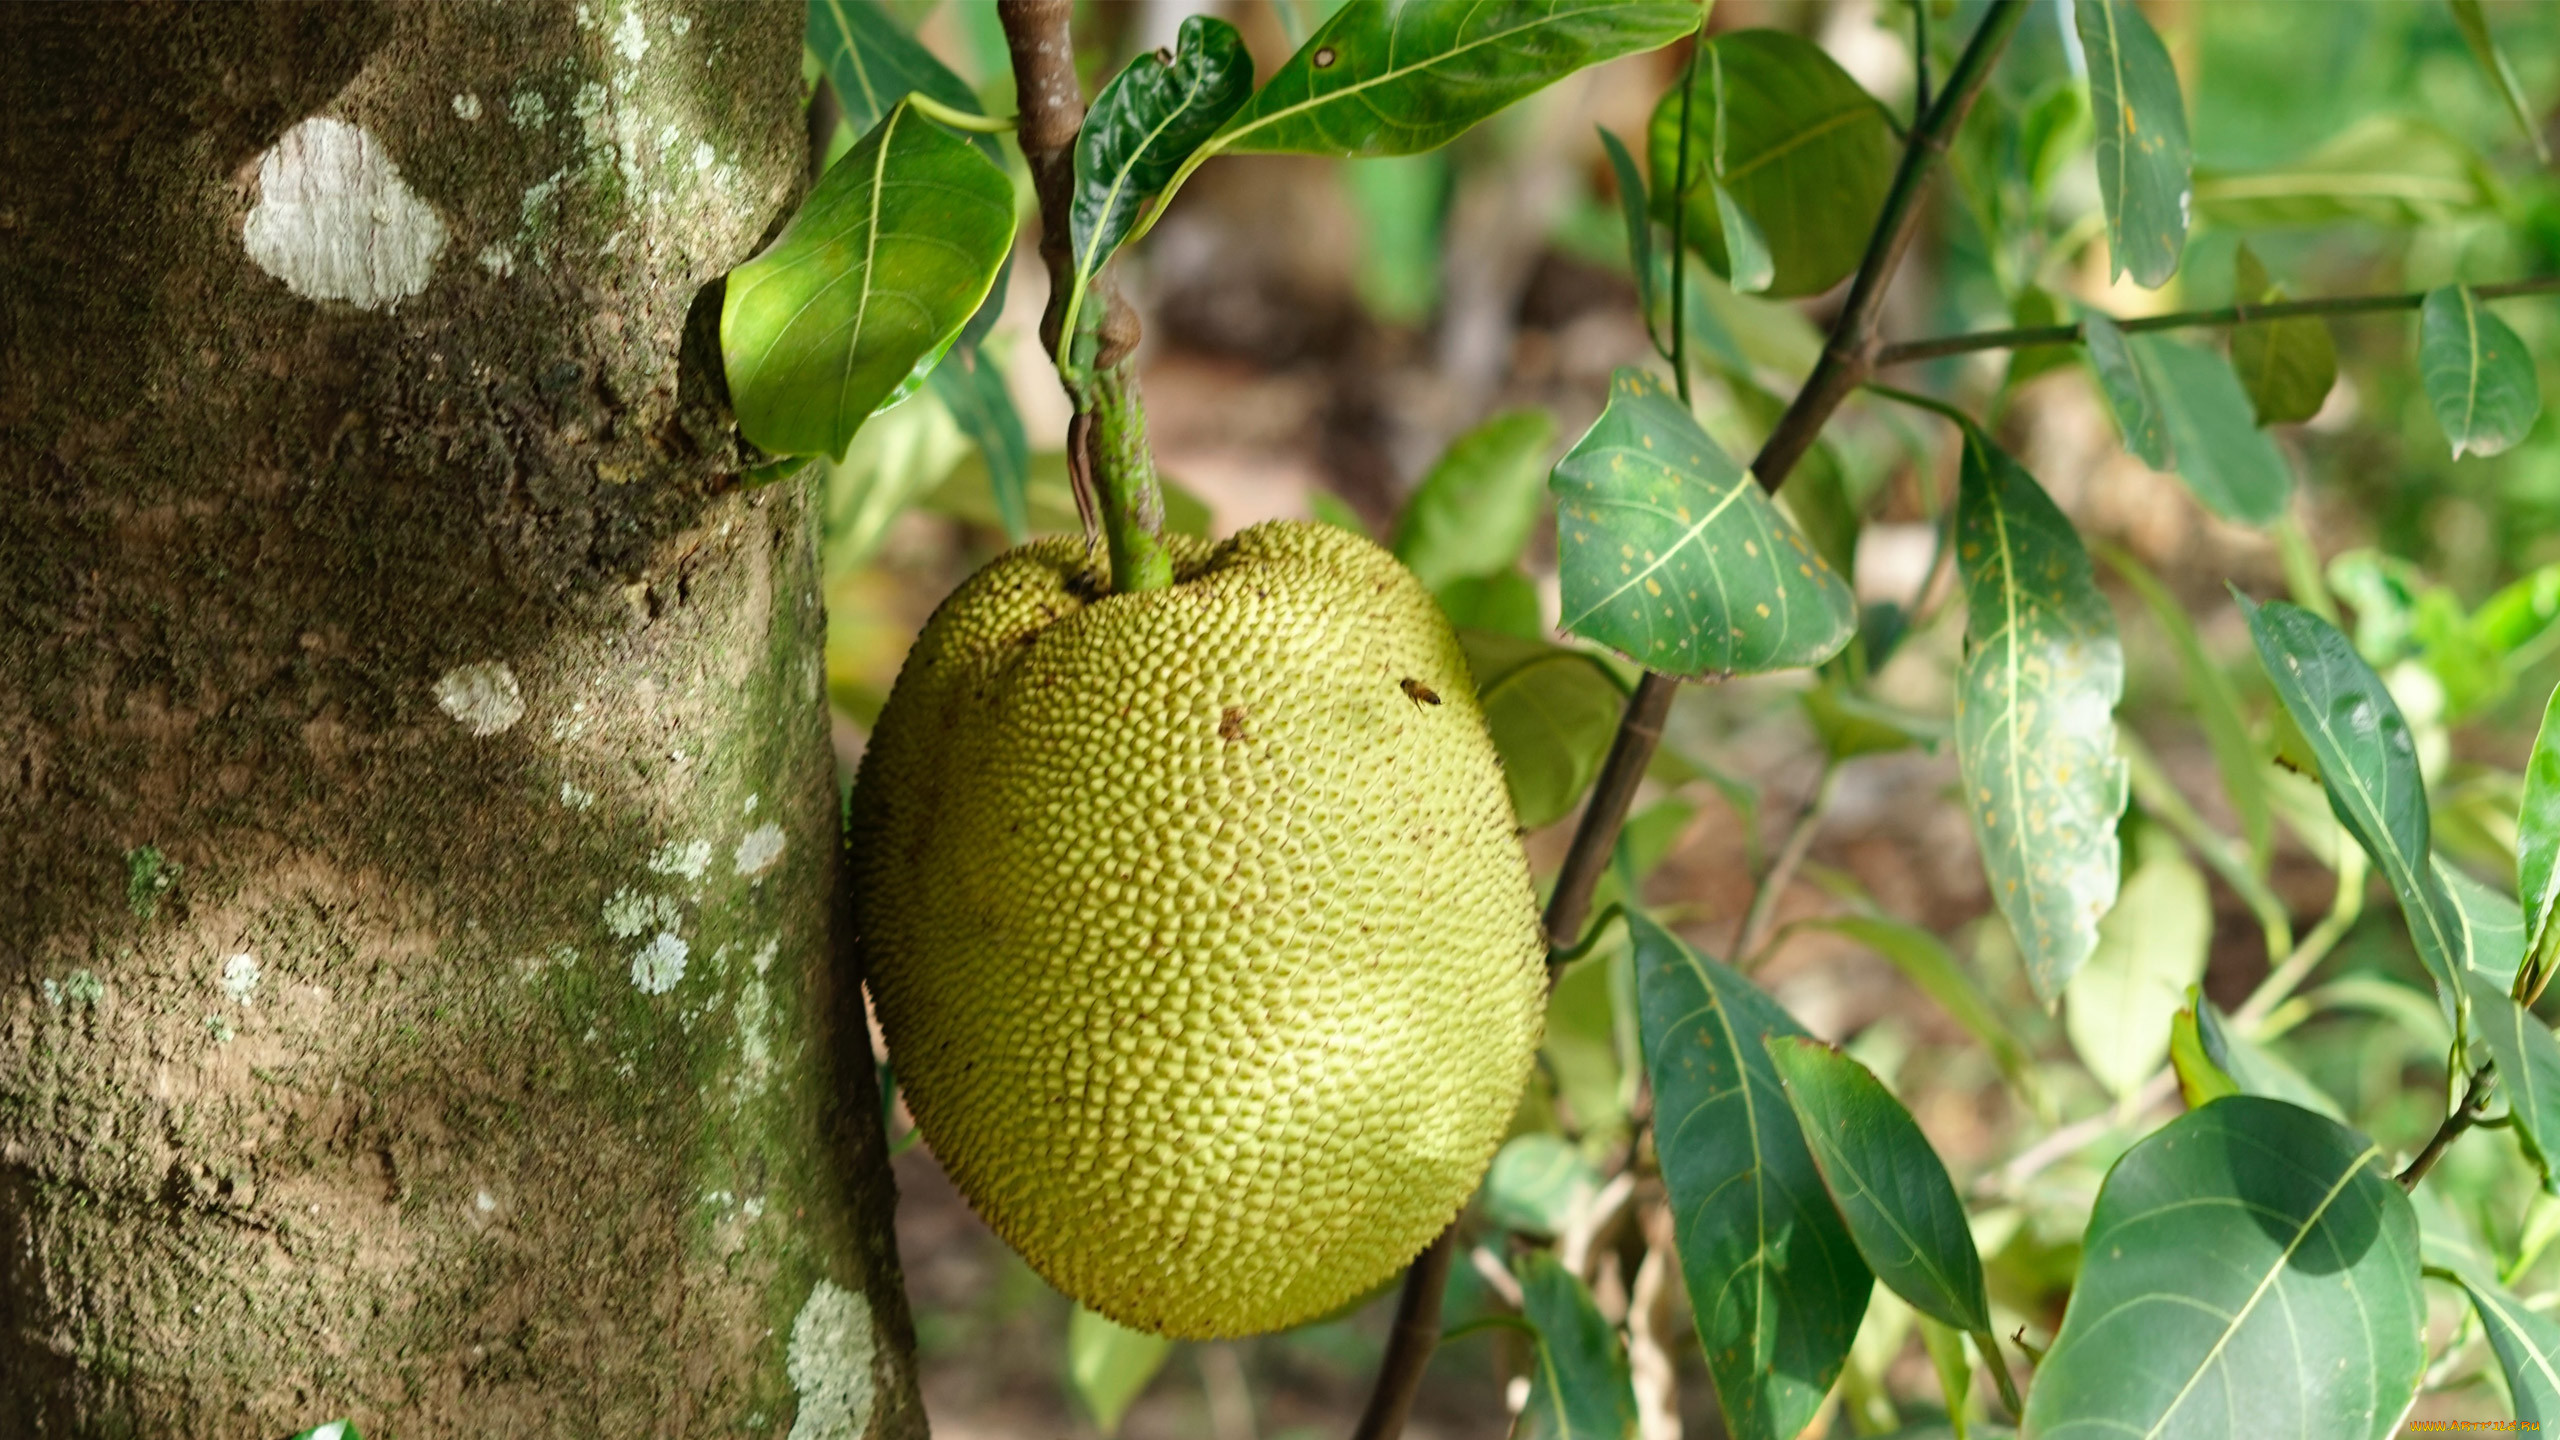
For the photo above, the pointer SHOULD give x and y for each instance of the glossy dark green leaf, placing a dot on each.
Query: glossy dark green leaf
(1891, 1188)
(887, 260)
(2232, 466)
(1145, 123)
(1552, 712)
(1110, 1365)
(1928, 964)
(2138, 418)
(1474, 511)
(1391, 79)
(1503, 602)
(2250, 1270)
(1534, 1183)
(972, 387)
(1637, 212)
(2144, 165)
(2035, 714)
(2478, 373)
(2471, 17)
(2538, 850)
(1779, 129)
(1772, 1274)
(2528, 1347)
(873, 65)
(2528, 1056)
(2210, 694)
(2152, 946)
(2287, 366)
(1671, 554)
(2369, 767)
(1581, 1388)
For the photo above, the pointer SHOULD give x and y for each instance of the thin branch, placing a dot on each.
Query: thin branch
(1416, 1332)
(2027, 337)
(2475, 1103)
(1764, 900)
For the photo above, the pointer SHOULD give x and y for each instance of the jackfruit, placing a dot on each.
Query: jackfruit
(1197, 922)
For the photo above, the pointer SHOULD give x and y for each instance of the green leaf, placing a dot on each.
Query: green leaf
(2143, 161)
(972, 387)
(1851, 724)
(2369, 766)
(1552, 712)
(2138, 420)
(872, 64)
(2230, 464)
(1110, 1364)
(2492, 939)
(2477, 372)
(1781, 134)
(1474, 511)
(1145, 123)
(1671, 554)
(2201, 1079)
(2287, 366)
(1636, 210)
(2528, 1056)
(1772, 1273)
(2528, 1346)
(882, 266)
(1504, 603)
(1391, 79)
(2473, 21)
(2250, 1271)
(1748, 267)
(1534, 1183)
(2035, 714)
(1581, 1389)
(1927, 963)
(1955, 1372)
(334, 1430)
(2217, 710)
(2538, 851)
(1890, 1187)
(2383, 170)
(2151, 947)
(2035, 307)
(2254, 1068)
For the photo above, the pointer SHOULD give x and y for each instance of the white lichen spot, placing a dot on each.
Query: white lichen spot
(763, 958)
(704, 157)
(759, 850)
(575, 798)
(753, 1209)
(680, 858)
(498, 260)
(752, 802)
(631, 912)
(53, 993)
(660, 963)
(467, 105)
(240, 977)
(829, 1362)
(484, 1202)
(481, 698)
(572, 725)
(528, 110)
(589, 102)
(679, 24)
(335, 222)
(755, 1046)
(631, 37)
(219, 1029)
(84, 988)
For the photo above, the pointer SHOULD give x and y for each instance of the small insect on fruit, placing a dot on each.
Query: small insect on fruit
(1417, 692)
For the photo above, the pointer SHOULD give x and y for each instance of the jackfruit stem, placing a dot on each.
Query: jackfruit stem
(1124, 480)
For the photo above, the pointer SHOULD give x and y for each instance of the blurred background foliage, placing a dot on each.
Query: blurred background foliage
(1391, 344)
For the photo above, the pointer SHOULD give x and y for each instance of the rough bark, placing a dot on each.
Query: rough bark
(417, 826)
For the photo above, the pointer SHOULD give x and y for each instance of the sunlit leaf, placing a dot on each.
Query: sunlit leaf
(2369, 766)
(1772, 1273)
(1778, 131)
(881, 267)
(1391, 79)
(1671, 554)
(2217, 710)
(2288, 365)
(1552, 711)
(1110, 1365)
(873, 64)
(2478, 374)
(1581, 1389)
(2538, 850)
(2201, 1079)
(1891, 1188)
(2251, 1270)
(2138, 419)
(2143, 159)
(1534, 1183)
(1144, 124)
(2471, 17)
(1474, 511)
(2151, 947)
(2035, 714)
(2232, 466)
(2528, 1348)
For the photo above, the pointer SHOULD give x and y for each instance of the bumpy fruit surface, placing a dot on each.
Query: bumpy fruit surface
(1197, 923)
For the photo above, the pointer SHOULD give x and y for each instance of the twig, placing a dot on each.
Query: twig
(2026, 337)
(2475, 1103)
(1773, 885)
(1112, 435)
(1409, 1342)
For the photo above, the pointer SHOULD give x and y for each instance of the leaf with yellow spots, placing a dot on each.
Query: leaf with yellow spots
(2035, 714)
(2145, 166)
(1672, 554)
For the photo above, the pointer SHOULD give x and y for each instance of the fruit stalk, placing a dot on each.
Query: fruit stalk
(1107, 441)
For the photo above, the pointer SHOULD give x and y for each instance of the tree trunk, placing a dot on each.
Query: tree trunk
(419, 1000)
